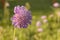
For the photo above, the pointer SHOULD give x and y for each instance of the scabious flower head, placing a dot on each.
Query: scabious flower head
(58, 30)
(1, 29)
(21, 17)
(38, 23)
(45, 21)
(15, 38)
(56, 4)
(40, 29)
(7, 4)
(43, 17)
(58, 13)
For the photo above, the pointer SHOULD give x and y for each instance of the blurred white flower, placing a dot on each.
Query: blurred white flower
(51, 15)
(43, 17)
(58, 13)
(40, 29)
(56, 4)
(7, 4)
(45, 21)
(38, 23)
(16, 38)
(1, 29)
(58, 30)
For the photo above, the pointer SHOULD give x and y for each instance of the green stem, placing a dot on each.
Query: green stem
(14, 33)
(58, 26)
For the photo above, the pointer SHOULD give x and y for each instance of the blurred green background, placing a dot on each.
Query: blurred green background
(50, 29)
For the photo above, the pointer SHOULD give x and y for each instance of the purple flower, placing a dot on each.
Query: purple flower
(21, 17)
